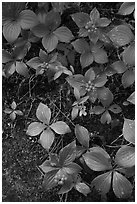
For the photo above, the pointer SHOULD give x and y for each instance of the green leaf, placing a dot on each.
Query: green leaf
(119, 66)
(34, 62)
(100, 56)
(35, 128)
(83, 32)
(129, 130)
(81, 45)
(13, 105)
(82, 135)
(128, 78)
(11, 31)
(28, 19)
(125, 156)
(90, 75)
(72, 168)
(121, 35)
(115, 108)
(100, 80)
(63, 34)
(97, 159)
(86, 59)
(102, 183)
(106, 96)
(50, 42)
(131, 98)
(47, 138)
(52, 20)
(8, 111)
(103, 22)
(18, 112)
(13, 116)
(126, 8)
(67, 154)
(49, 180)
(9, 69)
(121, 186)
(81, 19)
(94, 15)
(97, 110)
(40, 30)
(46, 167)
(22, 69)
(105, 118)
(74, 112)
(129, 172)
(6, 56)
(60, 127)
(43, 113)
(67, 186)
(82, 188)
(129, 55)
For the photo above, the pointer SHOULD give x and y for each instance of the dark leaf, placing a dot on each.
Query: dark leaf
(34, 62)
(97, 159)
(67, 154)
(97, 110)
(125, 156)
(22, 69)
(105, 118)
(128, 78)
(11, 31)
(6, 56)
(82, 188)
(74, 112)
(121, 186)
(106, 96)
(90, 75)
(129, 130)
(82, 135)
(35, 128)
(81, 45)
(129, 55)
(119, 66)
(67, 186)
(94, 15)
(126, 8)
(40, 30)
(131, 98)
(49, 180)
(103, 22)
(100, 80)
(129, 172)
(81, 19)
(121, 35)
(63, 34)
(72, 168)
(86, 59)
(9, 69)
(47, 139)
(60, 127)
(28, 19)
(50, 42)
(102, 183)
(115, 108)
(100, 56)
(46, 167)
(43, 113)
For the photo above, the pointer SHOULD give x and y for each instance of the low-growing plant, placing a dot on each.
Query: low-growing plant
(88, 61)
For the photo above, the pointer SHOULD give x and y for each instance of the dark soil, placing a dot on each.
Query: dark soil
(22, 155)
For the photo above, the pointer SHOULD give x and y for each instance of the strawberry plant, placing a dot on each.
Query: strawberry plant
(68, 128)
